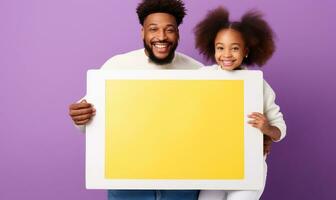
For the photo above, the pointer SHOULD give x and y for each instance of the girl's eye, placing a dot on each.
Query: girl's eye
(235, 48)
(219, 48)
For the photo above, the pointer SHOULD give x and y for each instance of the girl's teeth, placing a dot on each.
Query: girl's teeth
(227, 62)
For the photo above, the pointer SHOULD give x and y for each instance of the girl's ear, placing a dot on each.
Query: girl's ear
(246, 52)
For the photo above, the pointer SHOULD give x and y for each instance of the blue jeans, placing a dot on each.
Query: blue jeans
(153, 194)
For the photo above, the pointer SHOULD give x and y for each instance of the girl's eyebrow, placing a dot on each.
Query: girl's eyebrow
(230, 44)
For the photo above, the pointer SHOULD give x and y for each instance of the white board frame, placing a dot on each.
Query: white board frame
(95, 130)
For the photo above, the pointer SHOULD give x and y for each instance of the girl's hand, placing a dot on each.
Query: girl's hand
(267, 145)
(260, 122)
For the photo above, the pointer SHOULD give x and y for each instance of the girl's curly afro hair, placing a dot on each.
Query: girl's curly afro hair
(257, 34)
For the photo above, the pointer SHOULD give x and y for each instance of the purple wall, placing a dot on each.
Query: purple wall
(47, 46)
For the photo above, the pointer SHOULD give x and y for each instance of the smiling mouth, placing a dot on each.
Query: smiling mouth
(227, 63)
(161, 47)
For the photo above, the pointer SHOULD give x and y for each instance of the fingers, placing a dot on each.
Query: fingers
(77, 106)
(83, 117)
(82, 122)
(256, 115)
(258, 120)
(83, 111)
(254, 123)
(81, 105)
(255, 120)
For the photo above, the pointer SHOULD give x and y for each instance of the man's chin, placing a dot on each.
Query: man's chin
(161, 61)
(162, 58)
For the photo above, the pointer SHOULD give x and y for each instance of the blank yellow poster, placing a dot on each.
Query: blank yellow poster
(174, 129)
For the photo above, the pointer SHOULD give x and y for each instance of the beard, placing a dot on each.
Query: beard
(160, 61)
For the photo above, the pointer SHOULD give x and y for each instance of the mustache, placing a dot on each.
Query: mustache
(161, 41)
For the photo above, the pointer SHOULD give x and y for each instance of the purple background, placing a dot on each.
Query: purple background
(47, 46)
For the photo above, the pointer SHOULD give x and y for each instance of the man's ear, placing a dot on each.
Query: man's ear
(142, 33)
(178, 34)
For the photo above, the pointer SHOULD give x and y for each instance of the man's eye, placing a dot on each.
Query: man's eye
(152, 29)
(171, 30)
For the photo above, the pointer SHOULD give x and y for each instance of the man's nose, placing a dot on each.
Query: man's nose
(162, 35)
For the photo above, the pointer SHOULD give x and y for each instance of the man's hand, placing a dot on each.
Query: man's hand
(267, 144)
(81, 113)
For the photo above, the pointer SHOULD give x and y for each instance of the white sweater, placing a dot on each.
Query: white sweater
(270, 108)
(137, 59)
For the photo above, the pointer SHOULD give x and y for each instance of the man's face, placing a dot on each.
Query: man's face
(160, 35)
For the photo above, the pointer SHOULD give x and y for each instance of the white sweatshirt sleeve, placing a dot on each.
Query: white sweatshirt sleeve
(109, 64)
(272, 111)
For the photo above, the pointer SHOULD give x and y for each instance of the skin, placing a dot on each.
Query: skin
(160, 33)
(230, 51)
(82, 112)
(267, 145)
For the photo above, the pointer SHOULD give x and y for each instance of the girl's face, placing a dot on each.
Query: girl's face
(230, 49)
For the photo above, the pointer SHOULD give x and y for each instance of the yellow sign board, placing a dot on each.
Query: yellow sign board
(174, 129)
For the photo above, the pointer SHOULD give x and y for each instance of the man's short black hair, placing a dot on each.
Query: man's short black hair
(173, 7)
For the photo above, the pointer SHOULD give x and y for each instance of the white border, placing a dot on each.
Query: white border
(95, 131)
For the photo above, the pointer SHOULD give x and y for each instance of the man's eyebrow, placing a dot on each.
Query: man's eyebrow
(154, 24)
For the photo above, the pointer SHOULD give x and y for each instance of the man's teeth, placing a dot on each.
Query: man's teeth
(158, 45)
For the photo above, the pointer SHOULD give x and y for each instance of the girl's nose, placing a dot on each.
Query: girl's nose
(227, 53)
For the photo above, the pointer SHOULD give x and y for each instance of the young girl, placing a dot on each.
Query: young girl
(235, 46)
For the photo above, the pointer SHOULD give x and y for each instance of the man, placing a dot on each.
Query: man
(160, 20)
